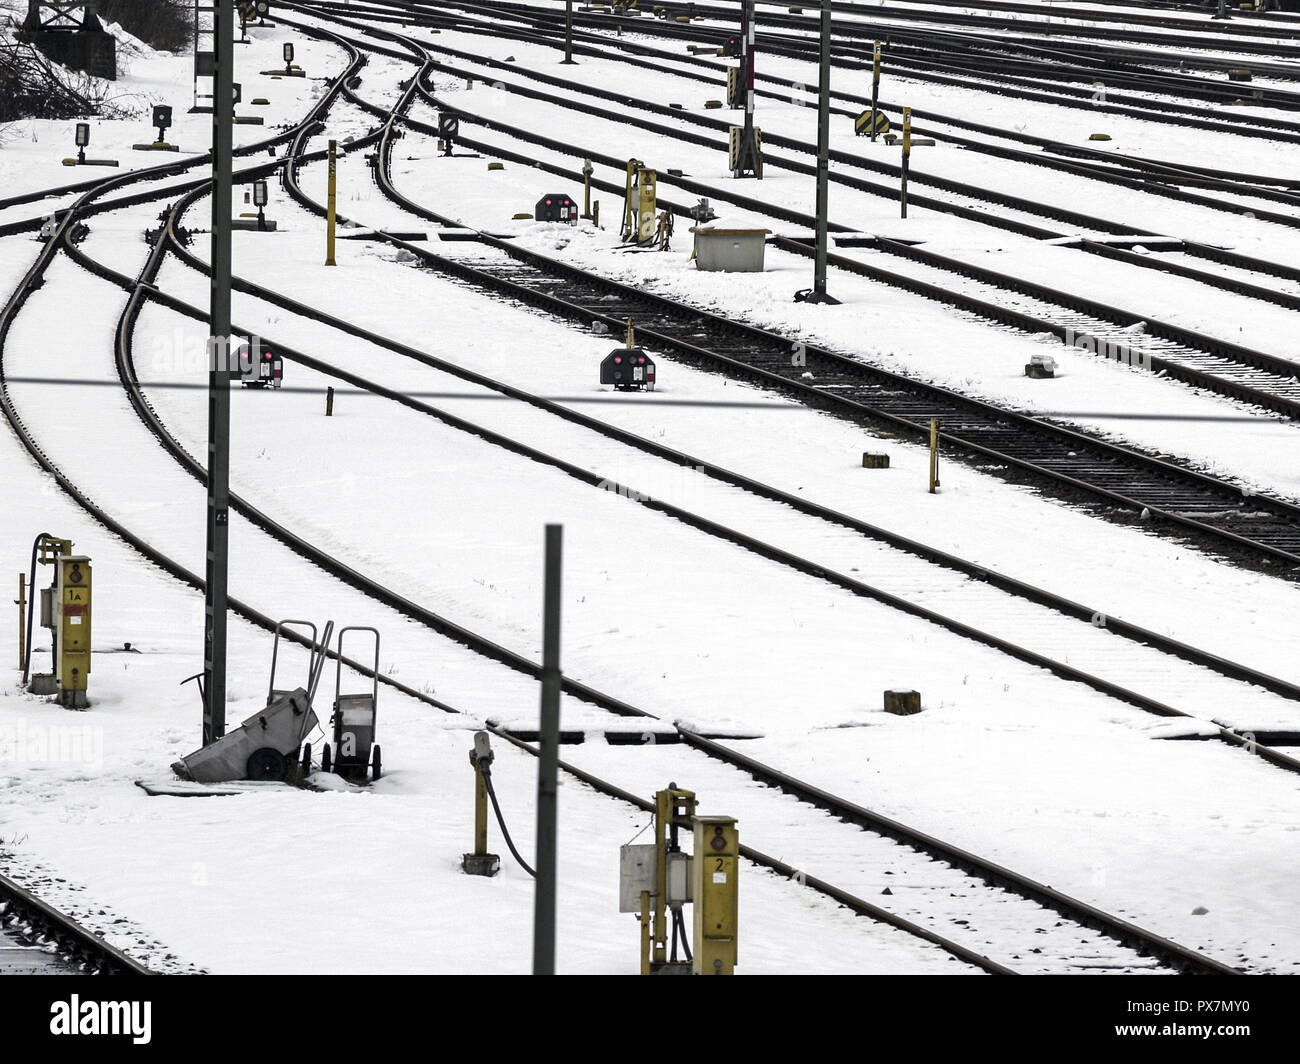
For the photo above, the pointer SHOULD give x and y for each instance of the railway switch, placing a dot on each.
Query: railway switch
(65, 609)
(715, 895)
(480, 862)
(72, 630)
(640, 217)
(657, 880)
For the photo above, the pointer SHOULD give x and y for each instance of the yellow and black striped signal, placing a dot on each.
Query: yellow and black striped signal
(862, 125)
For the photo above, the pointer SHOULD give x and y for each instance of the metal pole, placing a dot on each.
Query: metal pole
(568, 32)
(875, 89)
(907, 156)
(330, 201)
(216, 575)
(548, 761)
(194, 103)
(818, 294)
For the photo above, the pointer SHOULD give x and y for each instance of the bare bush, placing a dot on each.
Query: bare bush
(165, 24)
(33, 87)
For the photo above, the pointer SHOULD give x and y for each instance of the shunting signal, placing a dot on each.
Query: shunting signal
(862, 125)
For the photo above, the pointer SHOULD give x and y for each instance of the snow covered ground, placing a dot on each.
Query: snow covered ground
(1047, 776)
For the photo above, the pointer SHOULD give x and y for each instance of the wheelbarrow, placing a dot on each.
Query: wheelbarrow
(267, 743)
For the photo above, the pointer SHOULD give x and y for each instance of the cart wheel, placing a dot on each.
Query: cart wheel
(306, 759)
(375, 770)
(266, 764)
(326, 765)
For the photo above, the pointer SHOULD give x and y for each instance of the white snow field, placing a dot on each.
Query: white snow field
(1147, 817)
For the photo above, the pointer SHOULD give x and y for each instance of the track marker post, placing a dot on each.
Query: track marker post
(330, 215)
(875, 88)
(548, 759)
(934, 454)
(907, 158)
(480, 862)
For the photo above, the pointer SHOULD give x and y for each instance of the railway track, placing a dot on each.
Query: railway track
(1126, 957)
(38, 939)
(1128, 659)
(983, 913)
(991, 76)
(1087, 63)
(1253, 277)
(1253, 376)
(764, 549)
(1178, 496)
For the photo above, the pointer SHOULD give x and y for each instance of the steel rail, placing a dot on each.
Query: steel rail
(49, 927)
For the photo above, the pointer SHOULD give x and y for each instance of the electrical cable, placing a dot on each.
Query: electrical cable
(505, 834)
(32, 605)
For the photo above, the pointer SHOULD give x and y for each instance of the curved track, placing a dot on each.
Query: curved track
(1170, 954)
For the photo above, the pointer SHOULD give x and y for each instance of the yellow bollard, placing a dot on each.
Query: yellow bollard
(934, 454)
(330, 216)
(480, 862)
(645, 932)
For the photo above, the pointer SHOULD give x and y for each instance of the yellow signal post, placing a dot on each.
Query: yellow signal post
(907, 157)
(71, 624)
(715, 895)
(330, 214)
(934, 454)
(480, 862)
(875, 88)
(674, 809)
(639, 204)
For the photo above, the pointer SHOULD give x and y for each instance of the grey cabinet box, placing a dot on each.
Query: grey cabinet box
(730, 250)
